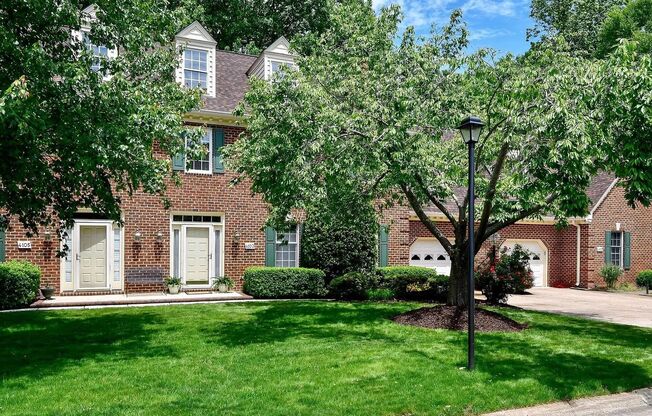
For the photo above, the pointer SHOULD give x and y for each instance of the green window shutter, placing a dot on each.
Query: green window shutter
(218, 143)
(383, 249)
(270, 247)
(2, 244)
(627, 251)
(607, 247)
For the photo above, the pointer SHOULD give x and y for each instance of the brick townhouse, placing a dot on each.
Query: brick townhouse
(213, 229)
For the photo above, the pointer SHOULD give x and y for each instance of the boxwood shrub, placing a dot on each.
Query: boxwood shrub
(19, 283)
(284, 282)
(352, 286)
(414, 283)
(644, 279)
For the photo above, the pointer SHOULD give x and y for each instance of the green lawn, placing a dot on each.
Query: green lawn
(311, 358)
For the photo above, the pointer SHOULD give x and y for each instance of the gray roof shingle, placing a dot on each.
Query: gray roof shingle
(231, 82)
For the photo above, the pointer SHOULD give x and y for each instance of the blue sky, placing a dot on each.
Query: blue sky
(498, 24)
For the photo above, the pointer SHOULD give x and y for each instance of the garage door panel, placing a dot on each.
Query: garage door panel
(431, 254)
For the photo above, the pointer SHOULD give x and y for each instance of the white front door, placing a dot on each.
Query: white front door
(538, 261)
(197, 255)
(428, 252)
(93, 256)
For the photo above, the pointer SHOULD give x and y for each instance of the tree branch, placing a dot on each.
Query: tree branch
(430, 225)
(491, 190)
(440, 206)
(499, 225)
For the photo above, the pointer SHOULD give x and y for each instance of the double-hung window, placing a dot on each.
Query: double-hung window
(287, 248)
(195, 70)
(199, 154)
(99, 52)
(616, 249)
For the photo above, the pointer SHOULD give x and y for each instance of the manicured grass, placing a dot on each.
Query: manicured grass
(292, 358)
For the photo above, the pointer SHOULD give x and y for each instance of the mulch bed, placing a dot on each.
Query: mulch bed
(454, 318)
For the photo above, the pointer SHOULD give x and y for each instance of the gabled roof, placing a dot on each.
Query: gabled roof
(196, 32)
(599, 188)
(280, 46)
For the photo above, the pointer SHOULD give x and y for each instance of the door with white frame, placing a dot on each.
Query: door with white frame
(196, 249)
(93, 258)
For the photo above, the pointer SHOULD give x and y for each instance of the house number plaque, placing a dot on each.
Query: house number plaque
(25, 244)
(250, 246)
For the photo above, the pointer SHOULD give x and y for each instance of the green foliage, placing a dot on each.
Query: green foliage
(610, 274)
(624, 99)
(284, 282)
(352, 286)
(340, 241)
(578, 21)
(224, 280)
(511, 274)
(414, 283)
(380, 294)
(633, 22)
(19, 283)
(79, 138)
(252, 25)
(644, 279)
(172, 281)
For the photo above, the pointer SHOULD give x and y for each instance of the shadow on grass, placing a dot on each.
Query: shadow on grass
(283, 321)
(38, 344)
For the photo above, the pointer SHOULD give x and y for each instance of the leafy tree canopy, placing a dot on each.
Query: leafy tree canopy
(367, 113)
(252, 25)
(578, 21)
(632, 22)
(73, 137)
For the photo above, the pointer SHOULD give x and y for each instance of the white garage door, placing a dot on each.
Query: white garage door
(538, 259)
(430, 253)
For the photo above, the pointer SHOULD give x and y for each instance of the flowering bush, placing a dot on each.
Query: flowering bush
(510, 273)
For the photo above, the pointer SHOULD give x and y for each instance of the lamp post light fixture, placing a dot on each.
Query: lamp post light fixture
(470, 128)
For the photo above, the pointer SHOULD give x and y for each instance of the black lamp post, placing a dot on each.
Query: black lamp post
(470, 129)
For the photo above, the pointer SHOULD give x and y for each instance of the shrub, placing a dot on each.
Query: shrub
(644, 279)
(284, 282)
(380, 294)
(341, 242)
(610, 274)
(414, 283)
(352, 286)
(19, 283)
(510, 274)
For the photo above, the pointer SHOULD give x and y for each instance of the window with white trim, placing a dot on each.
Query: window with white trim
(287, 248)
(100, 52)
(202, 155)
(616, 248)
(195, 68)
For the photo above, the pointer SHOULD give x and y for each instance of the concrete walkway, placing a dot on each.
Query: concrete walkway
(136, 299)
(622, 308)
(636, 403)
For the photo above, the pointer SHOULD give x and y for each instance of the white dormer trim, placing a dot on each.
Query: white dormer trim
(88, 16)
(194, 36)
(279, 51)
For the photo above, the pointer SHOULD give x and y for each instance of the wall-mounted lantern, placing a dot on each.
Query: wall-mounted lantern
(138, 236)
(236, 238)
(159, 236)
(47, 235)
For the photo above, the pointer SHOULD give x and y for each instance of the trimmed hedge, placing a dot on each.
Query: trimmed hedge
(284, 282)
(351, 286)
(644, 279)
(414, 283)
(19, 283)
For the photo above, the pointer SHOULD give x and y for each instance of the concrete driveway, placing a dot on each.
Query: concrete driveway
(622, 308)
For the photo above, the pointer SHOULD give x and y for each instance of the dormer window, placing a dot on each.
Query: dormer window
(100, 52)
(197, 62)
(194, 68)
(274, 60)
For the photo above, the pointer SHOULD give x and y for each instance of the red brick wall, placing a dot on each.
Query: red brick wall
(637, 221)
(43, 253)
(561, 245)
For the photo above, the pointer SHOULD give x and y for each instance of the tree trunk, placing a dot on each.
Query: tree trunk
(458, 292)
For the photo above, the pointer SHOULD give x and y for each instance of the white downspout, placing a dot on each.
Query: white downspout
(578, 255)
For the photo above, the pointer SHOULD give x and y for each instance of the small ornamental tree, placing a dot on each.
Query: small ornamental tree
(340, 241)
(365, 113)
